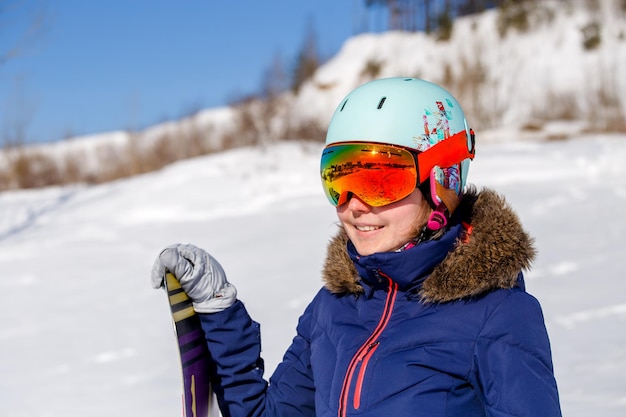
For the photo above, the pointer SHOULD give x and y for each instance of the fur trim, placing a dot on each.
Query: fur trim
(490, 257)
(339, 273)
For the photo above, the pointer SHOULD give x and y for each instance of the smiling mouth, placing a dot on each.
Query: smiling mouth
(367, 228)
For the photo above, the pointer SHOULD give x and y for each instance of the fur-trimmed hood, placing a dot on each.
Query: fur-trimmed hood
(489, 256)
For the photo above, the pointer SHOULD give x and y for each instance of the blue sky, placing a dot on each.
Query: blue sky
(105, 65)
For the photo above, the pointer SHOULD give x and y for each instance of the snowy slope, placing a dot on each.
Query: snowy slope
(85, 335)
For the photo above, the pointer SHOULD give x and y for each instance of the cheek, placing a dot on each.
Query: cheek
(342, 214)
(412, 222)
(407, 228)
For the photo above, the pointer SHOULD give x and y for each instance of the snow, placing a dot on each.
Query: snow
(85, 334)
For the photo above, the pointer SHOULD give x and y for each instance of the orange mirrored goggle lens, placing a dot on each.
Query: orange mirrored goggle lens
(377, 174)
(381, 174)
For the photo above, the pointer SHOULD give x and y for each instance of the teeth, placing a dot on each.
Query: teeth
(367, 228)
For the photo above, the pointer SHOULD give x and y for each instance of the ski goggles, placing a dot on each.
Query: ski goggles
(381, 174)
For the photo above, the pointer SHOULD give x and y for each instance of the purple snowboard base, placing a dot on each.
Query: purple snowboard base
(198, 397)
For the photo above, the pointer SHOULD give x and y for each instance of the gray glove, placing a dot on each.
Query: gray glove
(199, 274)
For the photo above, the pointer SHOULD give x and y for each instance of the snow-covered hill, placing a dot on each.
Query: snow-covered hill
(522, 78)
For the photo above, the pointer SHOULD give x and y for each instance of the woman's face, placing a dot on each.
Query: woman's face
(386, 228)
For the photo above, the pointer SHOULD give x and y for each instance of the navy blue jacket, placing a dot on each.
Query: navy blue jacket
(442, 329)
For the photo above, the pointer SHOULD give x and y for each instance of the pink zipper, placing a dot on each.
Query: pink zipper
(364, 354)
(359, 380)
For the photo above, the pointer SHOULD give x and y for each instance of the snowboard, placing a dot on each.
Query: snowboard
(198, 397)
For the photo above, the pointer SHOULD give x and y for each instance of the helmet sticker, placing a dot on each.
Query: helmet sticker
(436, 125)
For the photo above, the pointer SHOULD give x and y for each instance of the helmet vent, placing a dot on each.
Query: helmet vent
(382, 101)
(343, 105)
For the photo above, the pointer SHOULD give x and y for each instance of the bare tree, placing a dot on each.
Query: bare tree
(402, 13)
(308, 59)
(25, 23)
(17, 117)
(427, 23)
(30, 20)
(275, 79)
(428, 15)
(474, 6)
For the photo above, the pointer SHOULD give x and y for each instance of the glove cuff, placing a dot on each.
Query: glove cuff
(222, 299)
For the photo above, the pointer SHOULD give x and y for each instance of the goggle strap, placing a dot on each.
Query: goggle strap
(444, 154)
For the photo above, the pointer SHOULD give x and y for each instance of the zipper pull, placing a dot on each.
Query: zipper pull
(368, 350)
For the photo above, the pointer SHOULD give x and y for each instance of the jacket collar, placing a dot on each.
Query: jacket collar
(456, 266)
(408, 268)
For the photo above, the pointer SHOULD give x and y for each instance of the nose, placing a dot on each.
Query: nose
(358, 205)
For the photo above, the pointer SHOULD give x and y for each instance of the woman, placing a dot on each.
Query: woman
(423, 312)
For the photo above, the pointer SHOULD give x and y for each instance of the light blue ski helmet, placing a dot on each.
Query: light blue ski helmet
(408, 112)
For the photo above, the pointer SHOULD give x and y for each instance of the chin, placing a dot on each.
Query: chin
(369, 250)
